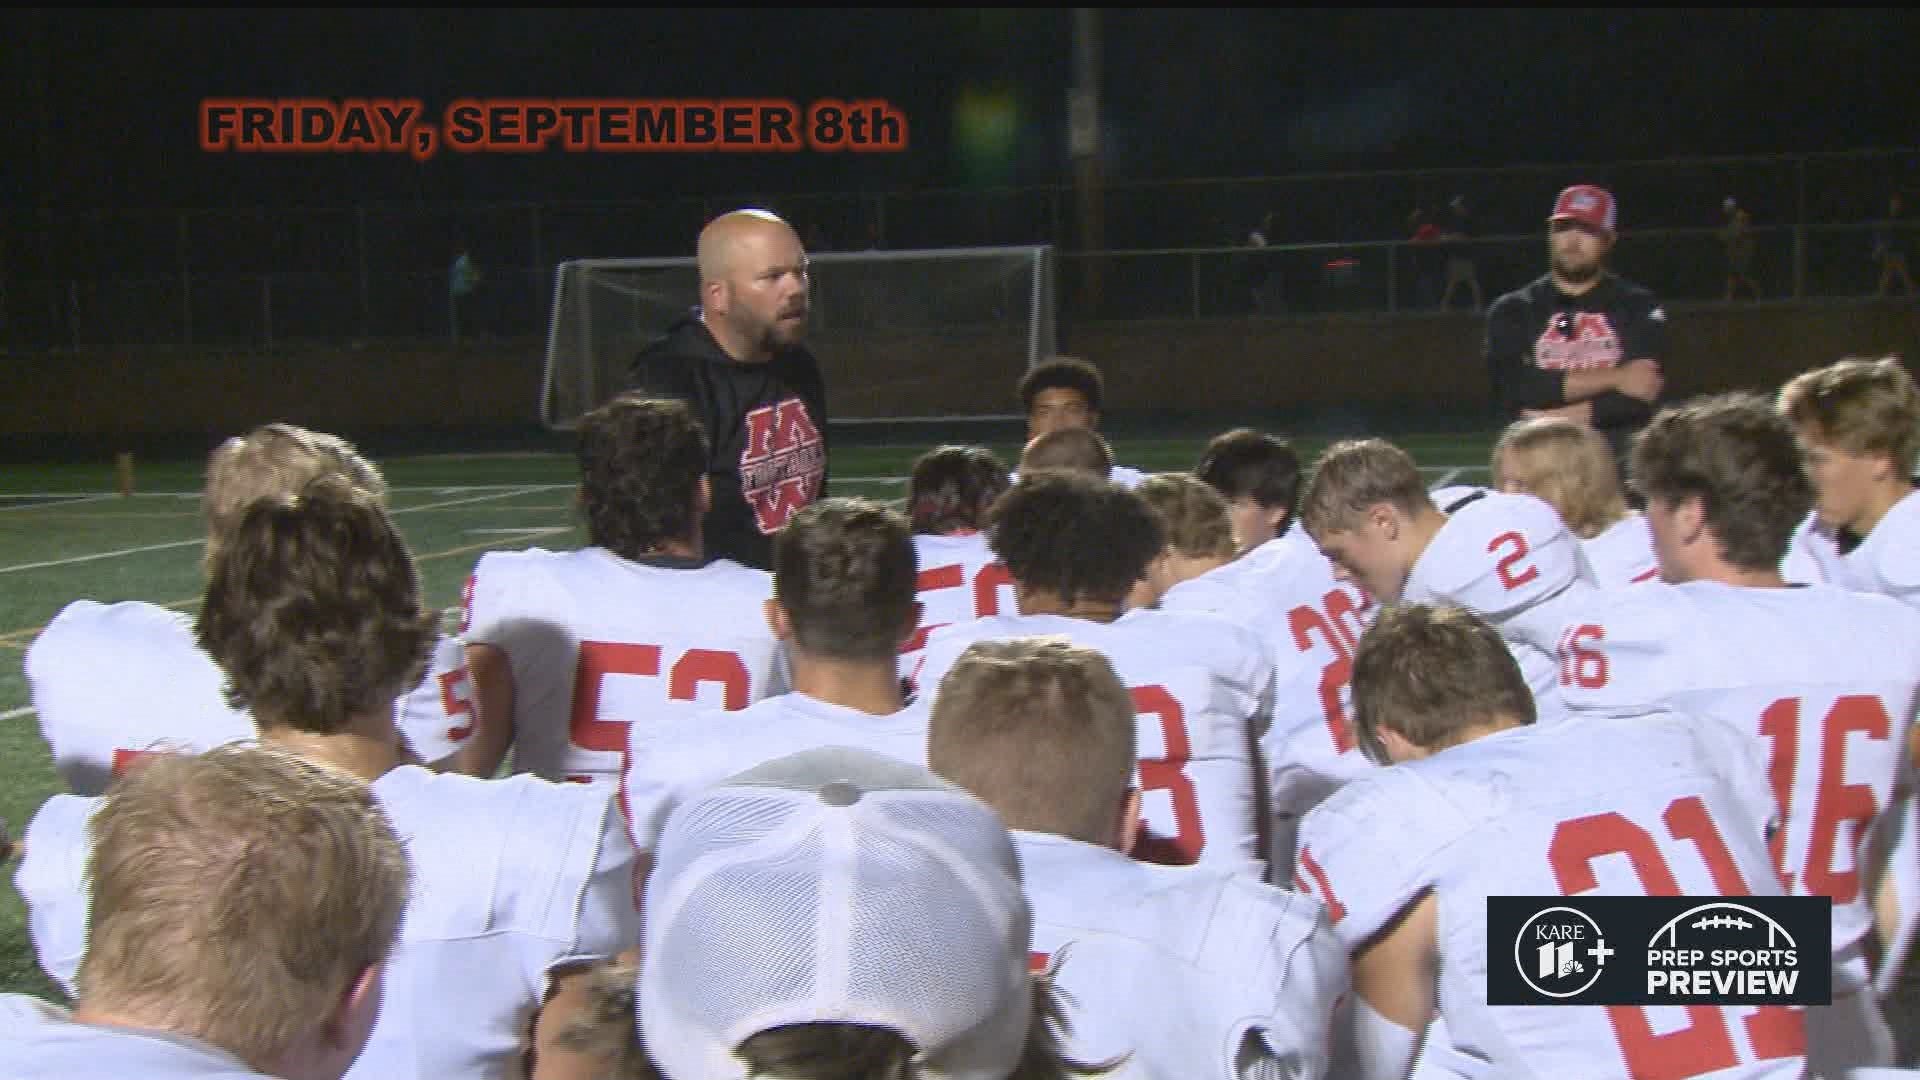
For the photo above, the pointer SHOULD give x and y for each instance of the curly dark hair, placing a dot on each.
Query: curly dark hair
(641, 460)
(313, 609)
(1738, 456)
(1074, 536)
(1064, 373)
(1248, 464)
(952, 489)
(845, 570)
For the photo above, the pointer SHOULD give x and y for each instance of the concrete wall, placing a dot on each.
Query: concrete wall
(1355, 364)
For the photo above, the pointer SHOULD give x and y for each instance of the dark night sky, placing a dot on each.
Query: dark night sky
(103, 105)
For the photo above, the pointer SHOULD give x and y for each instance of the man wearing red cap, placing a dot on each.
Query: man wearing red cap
(1580, 341)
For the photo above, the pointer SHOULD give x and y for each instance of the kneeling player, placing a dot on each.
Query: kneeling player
(313, 612)
(1076, 548)
(1482, 802)
(949, 494)
(1196, 972)
(1573, 469)
(571, 649)
(1508, 558)
(1284, 592)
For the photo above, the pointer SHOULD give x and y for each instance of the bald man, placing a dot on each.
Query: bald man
(739, 360)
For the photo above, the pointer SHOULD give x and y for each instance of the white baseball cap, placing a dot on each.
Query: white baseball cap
(836, 885)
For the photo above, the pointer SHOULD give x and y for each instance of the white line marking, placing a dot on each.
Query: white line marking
(437, 489)
(15, 714)
(52, 500)
(514, 532)
(200, 540)
(1448, 478)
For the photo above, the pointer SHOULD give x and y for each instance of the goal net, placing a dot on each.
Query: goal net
(937, 334)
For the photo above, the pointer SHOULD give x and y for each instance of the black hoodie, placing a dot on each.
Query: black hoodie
(766, 424)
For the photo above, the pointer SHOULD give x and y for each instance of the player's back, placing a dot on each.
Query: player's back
(597, 643)
(509, 879)
(672, 761)
(1284, 591)
(1821, 680)
(959, 581)
(1200, 685)
(114, 682)
(111, 681)
(1179, 964)
(1623, 553)
(1512, 561)
(1614, 806)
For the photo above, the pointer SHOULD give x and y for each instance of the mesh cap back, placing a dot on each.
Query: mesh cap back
(835, 885)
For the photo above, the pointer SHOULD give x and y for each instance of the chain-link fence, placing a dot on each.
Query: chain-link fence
(1340, 243)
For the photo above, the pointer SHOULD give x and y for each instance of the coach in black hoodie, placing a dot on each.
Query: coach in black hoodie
(738, 359)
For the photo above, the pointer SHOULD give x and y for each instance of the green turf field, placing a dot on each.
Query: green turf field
(65, 534)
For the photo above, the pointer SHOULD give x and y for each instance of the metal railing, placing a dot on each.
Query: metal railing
(1168, 249)
(268, 310)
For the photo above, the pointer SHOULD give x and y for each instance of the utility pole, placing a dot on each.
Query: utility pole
(1083, 144)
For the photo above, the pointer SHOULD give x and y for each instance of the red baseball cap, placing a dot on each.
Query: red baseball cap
(1589, 205)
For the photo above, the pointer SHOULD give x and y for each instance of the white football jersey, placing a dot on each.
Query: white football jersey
(46, 1044)
(959, 581)
(437, 716)
(1787, 668)
(51, 880)
(1200, 688)
(598, 643)
(1887, 560)
(112, 681)
(1177, 965)
(1510, 560)
(1623, 553)
(1498, 816)
(160, 691)
(511, 878)
(1448, 496)
(674, 761)
(1284, 591)
(1813, 555)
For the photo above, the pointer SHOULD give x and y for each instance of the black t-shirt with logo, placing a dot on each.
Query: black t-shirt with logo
(766, 425)
(1536, 334)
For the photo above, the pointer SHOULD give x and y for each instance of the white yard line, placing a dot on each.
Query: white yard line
(52, 500)
(1447, 478)
(15, 714)
(201, 540)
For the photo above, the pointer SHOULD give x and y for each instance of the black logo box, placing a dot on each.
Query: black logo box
(1633, 927)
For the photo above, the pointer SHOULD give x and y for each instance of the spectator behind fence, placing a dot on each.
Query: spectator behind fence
(1890, 244)
(244, 903)
(1736, 235)
(1457, 236)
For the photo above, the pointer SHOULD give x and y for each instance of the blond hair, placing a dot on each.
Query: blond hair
(235, 895)
(276, 461)
(1430, 674)
(1568, 466)
(1198, 524)
(1859, 405)
(1041, 730)
(1355, 475)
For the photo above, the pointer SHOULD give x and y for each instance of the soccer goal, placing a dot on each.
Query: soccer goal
(936, 334)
